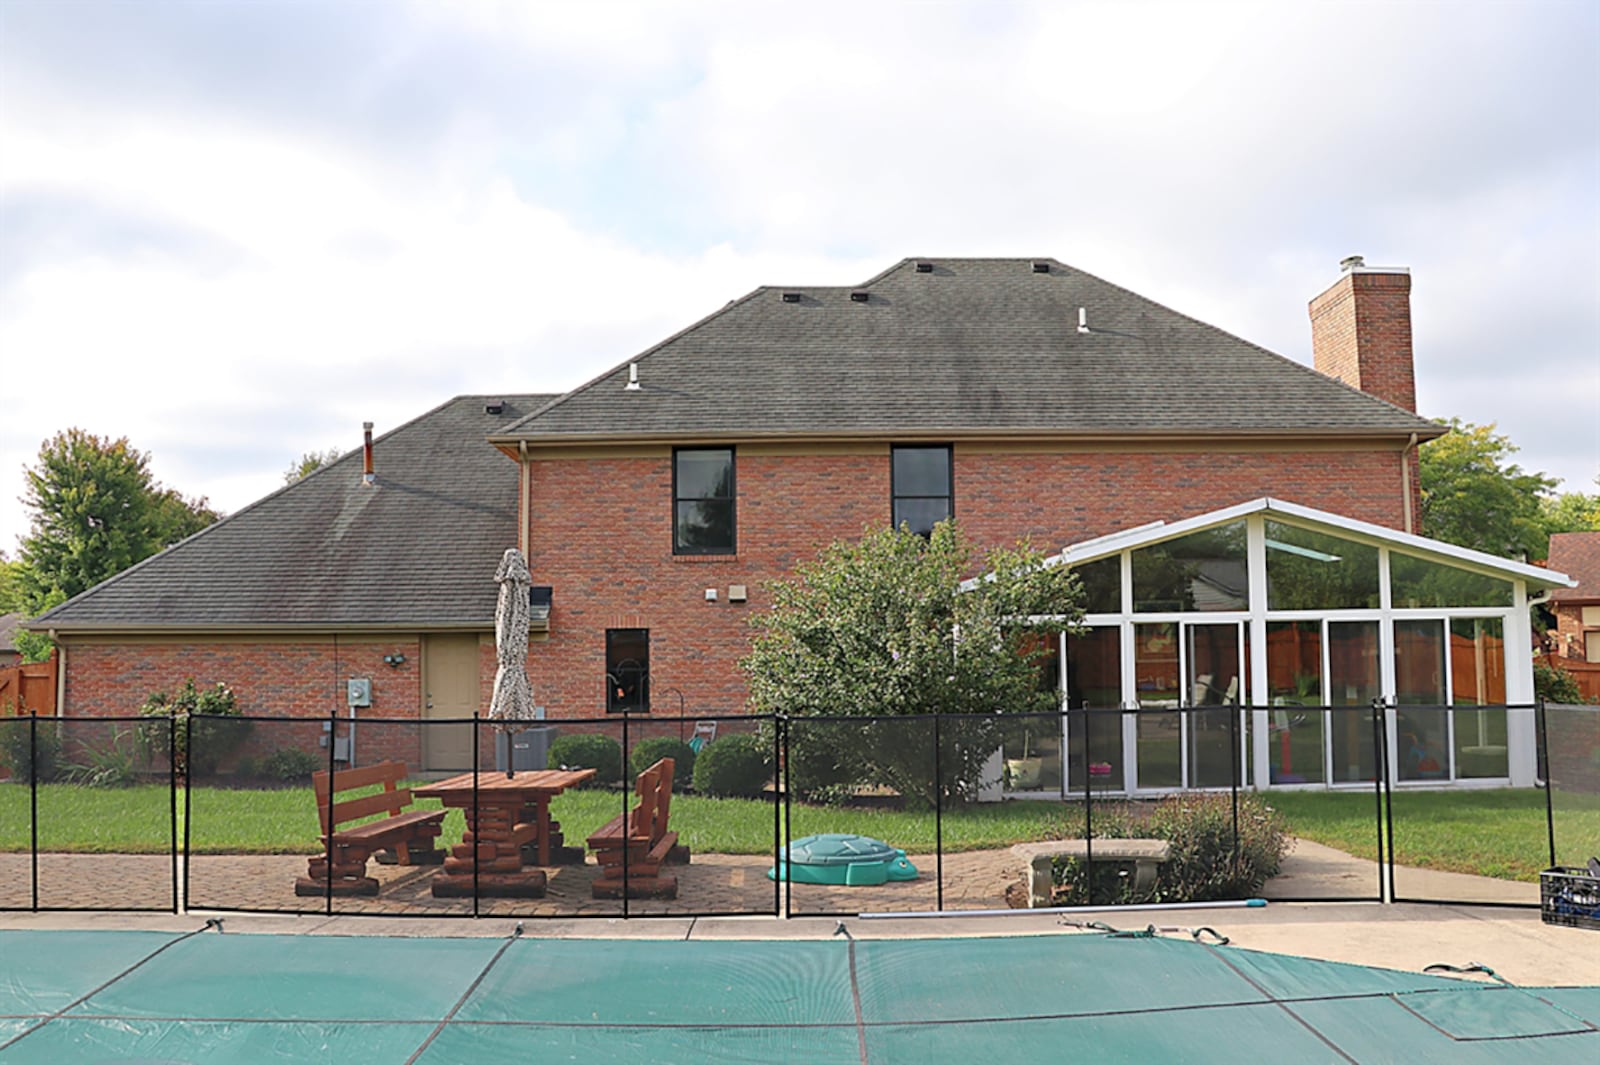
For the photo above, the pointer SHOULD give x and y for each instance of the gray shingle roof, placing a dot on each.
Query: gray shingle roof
(972, 346)
(418, 550)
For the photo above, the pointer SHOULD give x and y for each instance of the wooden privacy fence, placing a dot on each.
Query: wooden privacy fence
(29, 687)
(1587, 674)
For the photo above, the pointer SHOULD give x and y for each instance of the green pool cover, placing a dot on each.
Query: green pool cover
(221, 998)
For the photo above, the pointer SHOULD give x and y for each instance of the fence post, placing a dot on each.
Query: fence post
(1383, 810)
(1237, 770)
(1549, 784)
(780, 812)
(33, 807)
(179, 901)
(327, 828)
(938, 816)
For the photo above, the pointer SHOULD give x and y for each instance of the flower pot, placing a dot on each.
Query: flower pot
(1023, 773)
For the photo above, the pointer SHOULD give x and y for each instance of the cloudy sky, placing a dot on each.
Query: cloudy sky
(234, 231)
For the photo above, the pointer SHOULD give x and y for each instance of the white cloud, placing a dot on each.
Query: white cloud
(235, 233)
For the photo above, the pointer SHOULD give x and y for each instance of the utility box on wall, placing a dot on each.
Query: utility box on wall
(358, 691)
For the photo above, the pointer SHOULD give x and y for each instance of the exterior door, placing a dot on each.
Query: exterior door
(449, 692)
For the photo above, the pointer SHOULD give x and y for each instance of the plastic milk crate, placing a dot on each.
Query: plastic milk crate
(1570, 897)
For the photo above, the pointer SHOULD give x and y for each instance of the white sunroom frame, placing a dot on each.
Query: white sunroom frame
(1516, 626)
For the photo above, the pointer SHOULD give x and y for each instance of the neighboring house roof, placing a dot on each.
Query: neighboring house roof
(417, 550)
(1577, 554)
(970, 347)
(1538, 577)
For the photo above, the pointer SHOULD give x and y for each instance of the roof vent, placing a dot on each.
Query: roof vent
(1351, 262)
(367, 476)
(1040, 266)
(494, 406)
(1083, 320)
(791, 297)
(633, 379)
(924, 268)
(858, 297)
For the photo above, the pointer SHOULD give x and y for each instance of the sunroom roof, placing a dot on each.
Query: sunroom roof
(1450, 554)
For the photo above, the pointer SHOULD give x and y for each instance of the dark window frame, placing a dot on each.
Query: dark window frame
(627, 691)
(732, 498)
(950, 482)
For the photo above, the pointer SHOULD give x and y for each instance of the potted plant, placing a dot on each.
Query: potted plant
(1023, 773)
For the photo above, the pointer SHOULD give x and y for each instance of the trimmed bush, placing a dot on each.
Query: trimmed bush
(588, 750)
(197, 715)
(732, 766)
(651, 751)
(30, 760)
(1202, 866)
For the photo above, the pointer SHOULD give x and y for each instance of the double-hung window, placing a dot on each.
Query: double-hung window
(920, 483)
(703, 502)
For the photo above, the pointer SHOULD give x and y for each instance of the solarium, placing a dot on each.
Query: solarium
(1276, 627)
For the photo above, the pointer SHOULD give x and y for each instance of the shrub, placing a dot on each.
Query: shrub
(290, 765)
(1202, 865)
(1555, 685)
(212, 740)
(116, 765)
(651, 751)
(30, 761)
(589, 750)
(732, 766)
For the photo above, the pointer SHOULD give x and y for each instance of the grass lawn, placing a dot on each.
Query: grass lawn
(1499, 833)
(1492, 833)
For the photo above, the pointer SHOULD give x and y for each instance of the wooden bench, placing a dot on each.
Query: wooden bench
(633, 847)
(410, 834)
(1146, 854)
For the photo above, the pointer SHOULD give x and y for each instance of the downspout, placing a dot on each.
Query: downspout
(524, 506)
(1405, 481)
(61, 673)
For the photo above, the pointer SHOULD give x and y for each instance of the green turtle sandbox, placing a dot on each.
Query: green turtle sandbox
(842, 858)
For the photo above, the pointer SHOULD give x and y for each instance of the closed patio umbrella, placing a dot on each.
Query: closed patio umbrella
(512, 703)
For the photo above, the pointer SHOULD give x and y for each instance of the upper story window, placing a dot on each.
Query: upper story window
(920, 484)
(703, 502)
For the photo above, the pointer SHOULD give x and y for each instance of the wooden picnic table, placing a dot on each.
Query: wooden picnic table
(504, 813)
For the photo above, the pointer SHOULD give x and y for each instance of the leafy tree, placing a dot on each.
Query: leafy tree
(1570, 512)
(10, 585)
(1474, 496)
(880, 628)
(310, 462)
(96, 512)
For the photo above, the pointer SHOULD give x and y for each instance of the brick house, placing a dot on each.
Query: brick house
(1025, 397)
(1577, 610)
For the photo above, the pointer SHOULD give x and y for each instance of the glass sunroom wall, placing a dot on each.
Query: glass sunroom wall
(1308, 570)
(1354, 680)
(1422, 724)
(1204, 571)
(1215, 685)
(1478, 693)
(1157, 682)
(1094, 702)
(1294, 689)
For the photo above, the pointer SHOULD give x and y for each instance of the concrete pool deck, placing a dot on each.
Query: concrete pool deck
(1408, 936)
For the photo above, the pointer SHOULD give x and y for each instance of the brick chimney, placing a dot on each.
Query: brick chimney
(1361, 331)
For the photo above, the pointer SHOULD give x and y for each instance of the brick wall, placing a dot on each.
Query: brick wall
(600, 534)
